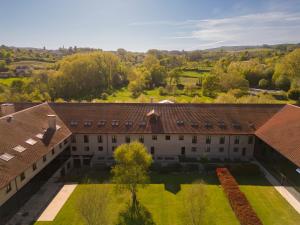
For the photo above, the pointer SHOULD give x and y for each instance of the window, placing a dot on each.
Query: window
(168, 137)
(86, 139)
(222, 140)
(74, 148)
(73, 139)
(34, 166)
(250, 140)
(194, 149)
(99, 139)
(236, 140)
(208, 140)
(113, 148)
(100, 148)
(127, 139)
(86, 148)
(181, 137)
(154, 137)
(141, 139)
(22, 176)
(182, 150)
(221, 149)
(152, 150)
(194, 140)
(52, 151)
(207, 149)
(44, 158)
(235, 149)
(244, 152)
(114, 139)
(8, 188)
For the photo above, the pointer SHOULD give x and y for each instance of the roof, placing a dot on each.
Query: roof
(282, 131)
(20, 106)
(16, 129)
(166, 101)
(174, 118)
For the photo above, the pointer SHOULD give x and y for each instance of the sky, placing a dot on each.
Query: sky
(140, 25)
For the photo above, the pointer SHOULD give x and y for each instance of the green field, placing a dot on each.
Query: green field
(8, 81)
(193, 74)
(164, 198)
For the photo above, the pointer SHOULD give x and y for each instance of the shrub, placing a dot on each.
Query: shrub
(263, 83)
(171, 167)
(294, 94)
(104, 96)
(162, 91)
(283, 83)
(237, 199)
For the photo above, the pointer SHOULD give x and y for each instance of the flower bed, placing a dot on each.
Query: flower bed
(237, 199)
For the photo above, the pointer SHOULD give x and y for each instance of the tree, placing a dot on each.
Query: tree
(210, 85)
(263, 83)
(131, 169)
(294, 94)
(93, 205)
(174, 76)
(195, 205)
(283, 83)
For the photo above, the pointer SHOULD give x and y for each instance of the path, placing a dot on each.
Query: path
(281, 189)
(57, 203)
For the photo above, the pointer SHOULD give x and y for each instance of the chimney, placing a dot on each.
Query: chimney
(7, 109)
(52, 122)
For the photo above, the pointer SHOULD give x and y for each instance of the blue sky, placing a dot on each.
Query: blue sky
(139, 25)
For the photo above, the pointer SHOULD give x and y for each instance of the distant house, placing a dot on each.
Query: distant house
(6, 74)
(23, 70)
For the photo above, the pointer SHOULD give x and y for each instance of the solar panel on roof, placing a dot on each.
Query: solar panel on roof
(6, 157)
(31, 141)
(19, 148)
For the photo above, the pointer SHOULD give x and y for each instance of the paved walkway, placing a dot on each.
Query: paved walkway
(32, 209)
(282, 189)
(57, 203)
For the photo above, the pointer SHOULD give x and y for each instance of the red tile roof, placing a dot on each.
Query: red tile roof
(282, 133)
(196, 118)
(26, 124)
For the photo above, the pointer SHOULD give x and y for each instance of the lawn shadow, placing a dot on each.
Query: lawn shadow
(138, 215)
(173, 188)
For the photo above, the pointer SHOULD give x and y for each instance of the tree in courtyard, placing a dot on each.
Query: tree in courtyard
(210, 85)
(195, 205)
(93, 206)
(131, 169)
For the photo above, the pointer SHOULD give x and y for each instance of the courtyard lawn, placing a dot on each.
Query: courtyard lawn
(8, 81)
(164, 199)
(269, 205)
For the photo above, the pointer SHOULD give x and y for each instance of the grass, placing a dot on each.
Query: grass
(8, 81)
(164, 198)
(124, 95)
(193, 74)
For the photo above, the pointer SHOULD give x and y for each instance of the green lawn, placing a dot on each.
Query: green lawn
(165, 196)
(194, 74)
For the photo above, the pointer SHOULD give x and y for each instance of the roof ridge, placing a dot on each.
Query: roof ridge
(23, 110)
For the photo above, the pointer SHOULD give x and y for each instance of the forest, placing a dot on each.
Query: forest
(258, 74)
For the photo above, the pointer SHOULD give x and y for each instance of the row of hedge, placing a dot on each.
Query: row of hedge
(237, 199)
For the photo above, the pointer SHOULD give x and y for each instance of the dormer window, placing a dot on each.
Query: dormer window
(208, 125)
(31, 141)
(222, 125)
(142, 123)
(128, 123)
(153, 116)
(87, 123)
(73, 123)
(101, 123)
(115, 123)
(194, 124)
(236, 125)
(180, 122)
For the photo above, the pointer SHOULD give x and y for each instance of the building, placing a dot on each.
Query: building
(54, 137)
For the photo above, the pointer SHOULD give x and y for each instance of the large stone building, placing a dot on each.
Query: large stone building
(45, 138)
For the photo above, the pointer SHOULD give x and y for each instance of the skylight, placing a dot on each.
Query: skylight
(6, 157)
(19, 148)
(39, 136)
(58, 127)
(31, 141)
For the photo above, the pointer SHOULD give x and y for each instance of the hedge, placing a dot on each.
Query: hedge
(237, 199)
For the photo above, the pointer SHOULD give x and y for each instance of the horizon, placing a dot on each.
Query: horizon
(138, 26)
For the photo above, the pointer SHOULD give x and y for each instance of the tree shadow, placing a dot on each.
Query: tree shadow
(173, 188)
(135, 215)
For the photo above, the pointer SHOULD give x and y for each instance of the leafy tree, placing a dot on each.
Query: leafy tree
(174, 76)
(3, 66)
(294, 94)
(263, 83)
(210, 85)
(283, 83)
(131, 169)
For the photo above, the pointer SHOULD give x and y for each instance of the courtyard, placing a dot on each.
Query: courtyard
(164, 199)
